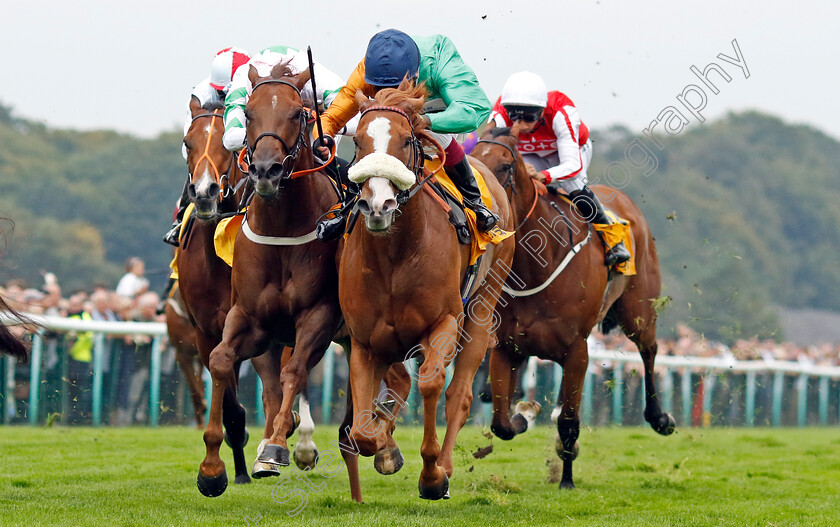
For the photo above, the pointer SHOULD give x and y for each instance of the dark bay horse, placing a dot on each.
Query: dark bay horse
(182, 337)
(284, 282)
(551, 319)
(216, 187)
(10, 344)
(400, 287)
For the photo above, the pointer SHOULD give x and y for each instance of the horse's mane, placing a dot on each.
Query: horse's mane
(500, 131)
(9, 343)
(213, 105)
(409, 97)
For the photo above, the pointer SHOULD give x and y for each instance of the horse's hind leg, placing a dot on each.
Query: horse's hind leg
(305, 452)
(568, 423)
(503, 372)
(638, 321)
(398, 383)
(187, 363)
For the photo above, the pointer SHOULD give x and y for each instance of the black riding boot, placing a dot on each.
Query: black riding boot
(462, 175)
(332, 228)
(593, 211)
(171, 237)
(165, 296)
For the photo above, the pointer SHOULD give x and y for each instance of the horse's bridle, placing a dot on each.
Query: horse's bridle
(509, 181)
(222, 178)
(289, 161)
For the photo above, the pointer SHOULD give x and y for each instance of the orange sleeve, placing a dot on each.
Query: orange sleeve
(344, 107)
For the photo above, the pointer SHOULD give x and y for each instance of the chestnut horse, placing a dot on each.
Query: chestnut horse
(551, 319)
(284, 283)
(216, 187)
(400, 286)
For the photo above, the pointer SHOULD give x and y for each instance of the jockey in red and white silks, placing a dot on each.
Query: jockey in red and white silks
(558, 143)
(555, 144)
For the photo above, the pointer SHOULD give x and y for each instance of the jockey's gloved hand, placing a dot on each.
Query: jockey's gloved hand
(322, 146)
(553, 188)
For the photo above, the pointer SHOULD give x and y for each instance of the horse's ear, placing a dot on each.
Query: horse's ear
(489, 127)
(362, 100)
(195, 105)
(302, 78)
(253, 75)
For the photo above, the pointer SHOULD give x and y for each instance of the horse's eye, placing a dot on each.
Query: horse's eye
(187, 145)
(505, 168)
(407, 143)
(247, 115)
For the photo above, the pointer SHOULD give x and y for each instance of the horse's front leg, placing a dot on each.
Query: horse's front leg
(212, 478)
(268, 366)
(313, 330)
(305, 452)
(434, 483)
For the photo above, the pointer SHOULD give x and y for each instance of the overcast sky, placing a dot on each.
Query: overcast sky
(130, 66)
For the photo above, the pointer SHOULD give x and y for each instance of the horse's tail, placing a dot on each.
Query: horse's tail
(9, 343)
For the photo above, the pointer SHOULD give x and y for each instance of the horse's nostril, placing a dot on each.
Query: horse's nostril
(364, 206)
(191, 191)
(214, 190)
(389, 205)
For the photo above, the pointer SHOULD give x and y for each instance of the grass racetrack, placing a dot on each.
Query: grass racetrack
(624, 476)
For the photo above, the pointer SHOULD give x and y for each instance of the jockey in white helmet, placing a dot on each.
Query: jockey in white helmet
(210, 92)
(554, 143)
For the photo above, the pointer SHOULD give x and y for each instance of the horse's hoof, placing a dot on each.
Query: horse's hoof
(438, 492)
(244, 439)
(570, 485)
(388, 461)
(306, 461)
(274, 455)
(264, 470)
(558, 447)
(211, 486)
(242, 479)
(528, 409)
(665, 425)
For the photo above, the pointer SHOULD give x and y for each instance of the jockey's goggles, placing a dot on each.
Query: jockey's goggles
(529, 114)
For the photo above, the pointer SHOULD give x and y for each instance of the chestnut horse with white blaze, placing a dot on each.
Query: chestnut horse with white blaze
(284, 281)
(550, 309)
(400, 286)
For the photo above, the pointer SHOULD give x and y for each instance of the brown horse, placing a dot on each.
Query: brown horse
(552, 318)
(9, 343)
(284, 284)
(216, 187)
(400, 287)
(182, 337)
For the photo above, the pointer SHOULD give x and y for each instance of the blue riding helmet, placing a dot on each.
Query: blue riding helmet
(391, 54)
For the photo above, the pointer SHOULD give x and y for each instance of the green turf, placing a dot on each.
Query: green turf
(624, 476)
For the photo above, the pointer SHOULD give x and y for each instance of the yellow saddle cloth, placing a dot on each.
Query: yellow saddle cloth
(174, 263)
(618, 232)
(223, 239)
(479, 239)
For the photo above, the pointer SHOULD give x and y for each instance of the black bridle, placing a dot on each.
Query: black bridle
(509, 181)
(289, 161)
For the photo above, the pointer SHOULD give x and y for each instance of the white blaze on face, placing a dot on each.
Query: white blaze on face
(273, 101)
(380, 131)
(203, 187)
(384, 199)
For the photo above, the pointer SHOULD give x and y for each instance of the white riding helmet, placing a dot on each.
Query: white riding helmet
(525, 89)
(225, 64)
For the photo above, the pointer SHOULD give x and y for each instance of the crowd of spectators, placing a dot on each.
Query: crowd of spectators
(68, 357)
(126, 364)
